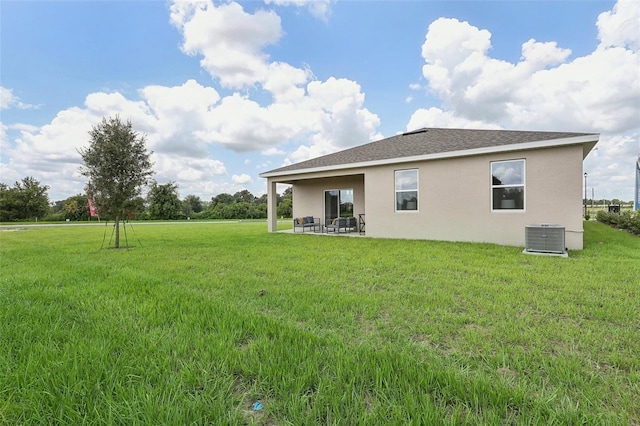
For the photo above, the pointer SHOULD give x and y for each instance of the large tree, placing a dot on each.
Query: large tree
(76, 208)
(244, 196)
(118, 166)
(164, 202)
(27, 199)
(285, 204)
(191, 204)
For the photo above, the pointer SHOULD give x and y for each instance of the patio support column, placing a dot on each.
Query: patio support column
(272, 206)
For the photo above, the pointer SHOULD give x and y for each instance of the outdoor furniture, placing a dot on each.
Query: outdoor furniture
(307, 222)
(341, 224)
(361, 223)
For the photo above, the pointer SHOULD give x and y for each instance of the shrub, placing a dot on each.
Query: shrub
(626, 220)
(54, 217)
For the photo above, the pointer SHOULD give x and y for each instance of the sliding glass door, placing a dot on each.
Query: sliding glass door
(338, 203)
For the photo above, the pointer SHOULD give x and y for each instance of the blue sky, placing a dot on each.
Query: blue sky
(227, 90)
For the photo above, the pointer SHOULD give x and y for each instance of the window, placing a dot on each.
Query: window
(338, 203)
(406, 190)
(507, 185)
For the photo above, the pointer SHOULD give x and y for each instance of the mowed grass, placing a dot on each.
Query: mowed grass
(196, 322)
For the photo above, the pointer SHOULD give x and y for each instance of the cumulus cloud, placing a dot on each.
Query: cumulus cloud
(546, 89)
(229, 39)
(435, 117)
(6, 98)
(185, 124)
(611, 166)
(50, 152)
(243, 179)
(329, 114)
(318, 8)
(597, 92)
(620, 27)
(273, 151)
(189, 172)
(9, 100)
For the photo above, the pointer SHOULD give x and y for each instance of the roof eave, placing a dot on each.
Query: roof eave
(588, 142)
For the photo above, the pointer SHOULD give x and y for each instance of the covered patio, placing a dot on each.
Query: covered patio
(325, 198)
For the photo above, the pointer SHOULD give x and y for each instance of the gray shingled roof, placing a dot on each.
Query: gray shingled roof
(424, 142)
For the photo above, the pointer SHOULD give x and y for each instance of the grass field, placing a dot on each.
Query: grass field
(197, 322)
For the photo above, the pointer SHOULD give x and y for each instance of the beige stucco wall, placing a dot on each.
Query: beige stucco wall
(455, 199)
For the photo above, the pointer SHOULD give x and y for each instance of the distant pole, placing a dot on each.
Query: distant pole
(585, 194)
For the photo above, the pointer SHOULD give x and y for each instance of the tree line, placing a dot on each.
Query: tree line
(27, 200)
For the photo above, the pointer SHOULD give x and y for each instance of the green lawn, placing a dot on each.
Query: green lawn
(198, 321)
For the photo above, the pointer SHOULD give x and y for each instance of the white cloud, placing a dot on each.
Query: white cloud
(183, 122)
(188, 172)
(4, 143)
(546, 89)
(9, 100)
(620, 27)
(597, 92)
(6, 98)
(273, 151)
(229, 39)
(435, 117)
(344, 122)
(318, 8)
(611, 166)
(283, 81)
(50, 152)
(243, 179)
(330, 114)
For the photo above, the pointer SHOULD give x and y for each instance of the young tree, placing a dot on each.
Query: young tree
(118, 166)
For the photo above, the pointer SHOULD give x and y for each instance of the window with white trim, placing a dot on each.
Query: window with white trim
(507, 185)
(407, 190)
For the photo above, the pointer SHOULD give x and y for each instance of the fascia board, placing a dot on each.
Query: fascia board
(442, 155)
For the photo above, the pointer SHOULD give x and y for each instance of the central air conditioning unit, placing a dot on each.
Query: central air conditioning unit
(544, 238)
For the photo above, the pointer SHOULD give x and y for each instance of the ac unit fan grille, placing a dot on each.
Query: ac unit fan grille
(545, 238)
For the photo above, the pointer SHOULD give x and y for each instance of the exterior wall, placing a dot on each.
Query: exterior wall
(308, 194)
(455, 199)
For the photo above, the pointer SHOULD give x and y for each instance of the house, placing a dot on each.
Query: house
(446, 184)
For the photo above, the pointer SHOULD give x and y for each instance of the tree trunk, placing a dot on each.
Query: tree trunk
(117, 225)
